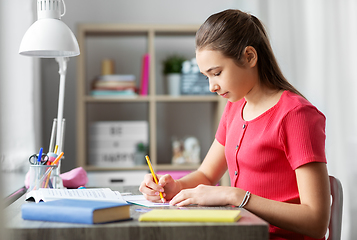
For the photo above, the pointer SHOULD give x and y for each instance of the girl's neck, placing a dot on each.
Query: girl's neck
(259, 100)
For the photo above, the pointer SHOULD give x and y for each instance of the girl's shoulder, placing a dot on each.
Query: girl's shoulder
(290, 103)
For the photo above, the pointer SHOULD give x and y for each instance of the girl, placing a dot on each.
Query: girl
(271, 139)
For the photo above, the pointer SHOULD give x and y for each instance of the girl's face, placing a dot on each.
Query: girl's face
(225, 77)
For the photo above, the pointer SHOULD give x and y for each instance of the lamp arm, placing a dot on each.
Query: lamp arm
(62, 62)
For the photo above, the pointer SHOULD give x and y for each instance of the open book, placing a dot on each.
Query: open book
(98, 194)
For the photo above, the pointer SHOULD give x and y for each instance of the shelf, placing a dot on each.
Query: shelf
(167, 116)
(158, 98)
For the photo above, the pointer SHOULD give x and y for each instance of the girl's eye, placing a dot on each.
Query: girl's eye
(217, 74)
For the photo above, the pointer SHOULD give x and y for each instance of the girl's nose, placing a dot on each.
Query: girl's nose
(213, 87)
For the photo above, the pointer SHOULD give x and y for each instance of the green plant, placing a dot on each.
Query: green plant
(173, 64)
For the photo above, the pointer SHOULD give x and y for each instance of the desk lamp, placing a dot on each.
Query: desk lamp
(49, 37)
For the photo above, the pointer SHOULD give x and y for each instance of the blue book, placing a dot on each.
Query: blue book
(76, 211)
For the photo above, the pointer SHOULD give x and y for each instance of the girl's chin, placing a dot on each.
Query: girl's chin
(232, 99)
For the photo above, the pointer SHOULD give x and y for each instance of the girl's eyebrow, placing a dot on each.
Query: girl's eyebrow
(212, 68)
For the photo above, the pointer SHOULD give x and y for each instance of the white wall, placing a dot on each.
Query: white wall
(19, 86)
(14, 71)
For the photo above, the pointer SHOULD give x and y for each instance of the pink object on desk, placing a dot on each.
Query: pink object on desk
(73, 179)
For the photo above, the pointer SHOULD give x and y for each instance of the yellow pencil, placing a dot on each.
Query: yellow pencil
(153, 175)
(56, 148)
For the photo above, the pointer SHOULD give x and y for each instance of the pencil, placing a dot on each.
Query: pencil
(153, 175)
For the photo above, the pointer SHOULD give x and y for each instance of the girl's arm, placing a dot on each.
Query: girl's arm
(310, 217)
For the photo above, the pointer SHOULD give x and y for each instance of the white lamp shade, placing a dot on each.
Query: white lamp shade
(49, 38)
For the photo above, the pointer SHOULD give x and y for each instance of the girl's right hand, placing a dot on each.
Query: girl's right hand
(167, 186)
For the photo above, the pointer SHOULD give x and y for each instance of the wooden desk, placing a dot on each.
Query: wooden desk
(249, 227)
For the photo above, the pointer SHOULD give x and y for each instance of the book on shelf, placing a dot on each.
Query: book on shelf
(144, 85)
(133, 89)
(117, 78)
(95, 194)
(114, 93)
(76, 211)
(114, 85)
(190, 215)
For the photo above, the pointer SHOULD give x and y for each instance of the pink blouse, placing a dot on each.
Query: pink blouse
(263, 153)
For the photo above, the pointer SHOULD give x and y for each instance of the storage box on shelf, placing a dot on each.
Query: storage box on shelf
(167, 116)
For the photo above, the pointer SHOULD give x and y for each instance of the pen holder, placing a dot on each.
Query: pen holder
(43, 176)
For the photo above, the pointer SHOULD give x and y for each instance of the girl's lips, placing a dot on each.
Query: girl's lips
(224, 94)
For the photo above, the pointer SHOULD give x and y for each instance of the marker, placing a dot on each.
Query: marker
(39, 156)
(154, 176)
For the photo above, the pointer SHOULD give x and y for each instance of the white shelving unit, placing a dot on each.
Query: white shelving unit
(167, 115)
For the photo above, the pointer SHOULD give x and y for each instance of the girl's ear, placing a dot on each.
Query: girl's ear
(251, 56)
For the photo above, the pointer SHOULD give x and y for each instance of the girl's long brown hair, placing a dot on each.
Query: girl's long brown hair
(230, 32)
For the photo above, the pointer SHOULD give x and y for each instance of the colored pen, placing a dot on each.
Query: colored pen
(153, 175)
(39, 156)
(57, 159)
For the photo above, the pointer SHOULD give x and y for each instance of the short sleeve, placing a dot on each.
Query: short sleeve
(222, 127)
(303, 136)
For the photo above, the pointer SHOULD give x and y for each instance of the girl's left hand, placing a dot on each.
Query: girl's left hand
(203, 195)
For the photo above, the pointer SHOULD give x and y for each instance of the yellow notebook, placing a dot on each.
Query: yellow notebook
(188, 215)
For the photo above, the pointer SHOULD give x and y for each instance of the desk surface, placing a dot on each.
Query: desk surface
(249, 227)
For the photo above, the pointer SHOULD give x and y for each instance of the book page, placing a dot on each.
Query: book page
(141, 200)
(49, 194)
